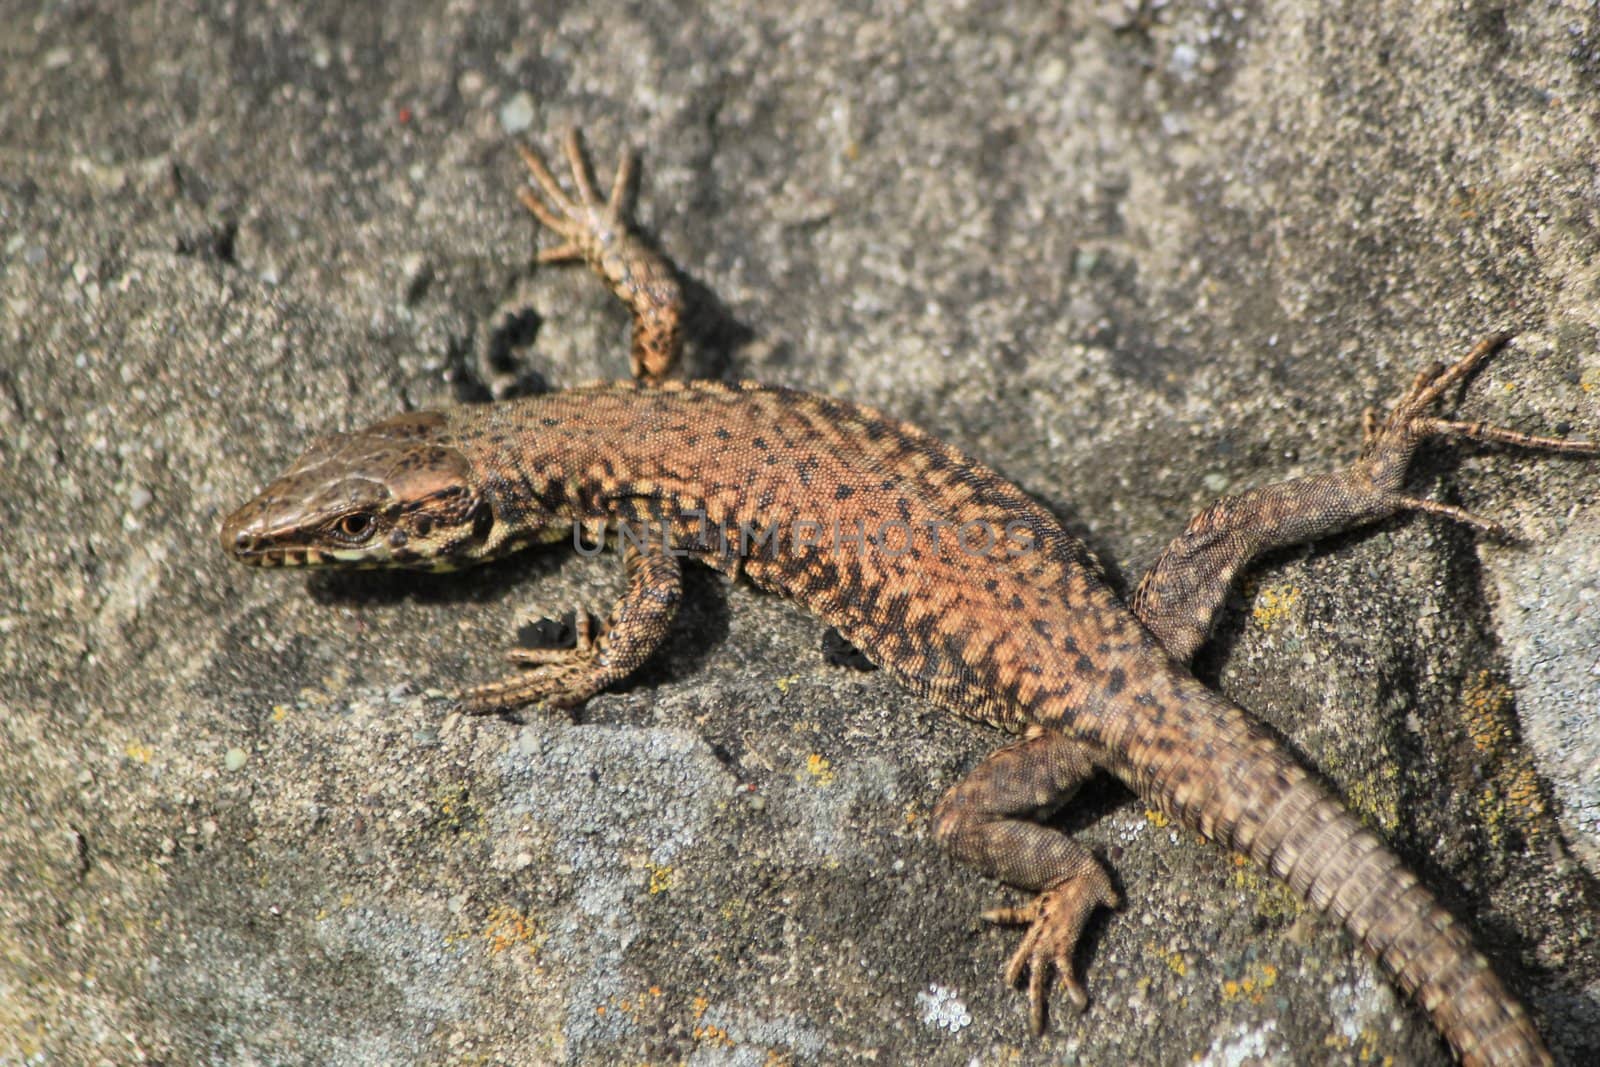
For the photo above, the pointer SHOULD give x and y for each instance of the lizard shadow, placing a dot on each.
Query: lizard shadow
(713, 336)
(384, 588)
(702, 624)
(1426, 761)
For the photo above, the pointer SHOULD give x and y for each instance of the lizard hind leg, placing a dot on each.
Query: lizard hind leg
(985, 821)
(1184, 591)
(600, 231)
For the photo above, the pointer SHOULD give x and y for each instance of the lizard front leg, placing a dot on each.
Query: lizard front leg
(600, 232)
(566, 677)
(987, 821)
(1181, 594)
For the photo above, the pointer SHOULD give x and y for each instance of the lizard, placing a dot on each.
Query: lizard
(1018, 628)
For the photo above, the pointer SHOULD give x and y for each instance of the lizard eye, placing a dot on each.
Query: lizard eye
(356, 526)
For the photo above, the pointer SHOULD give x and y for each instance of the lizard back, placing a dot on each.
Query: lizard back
(941, 571)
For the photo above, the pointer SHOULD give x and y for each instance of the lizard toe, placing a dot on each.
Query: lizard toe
(563, 682)
(1055, 921)
(553, 640)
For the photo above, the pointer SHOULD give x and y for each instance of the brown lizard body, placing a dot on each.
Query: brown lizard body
(942, 572)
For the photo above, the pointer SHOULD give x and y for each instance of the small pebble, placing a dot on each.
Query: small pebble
(516, 114)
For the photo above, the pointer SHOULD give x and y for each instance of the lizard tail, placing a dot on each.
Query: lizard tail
(1223, 774)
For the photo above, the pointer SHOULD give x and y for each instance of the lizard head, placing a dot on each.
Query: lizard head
(391, 495)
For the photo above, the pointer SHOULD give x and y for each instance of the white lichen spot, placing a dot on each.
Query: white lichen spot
(1250, 1046)
(943, 1009)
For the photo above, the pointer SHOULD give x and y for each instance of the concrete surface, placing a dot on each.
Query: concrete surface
(1132, 255)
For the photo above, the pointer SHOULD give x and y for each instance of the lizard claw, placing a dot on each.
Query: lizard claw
(585, 222)
(1410, 420)
(1055, 920)
(1388, 443)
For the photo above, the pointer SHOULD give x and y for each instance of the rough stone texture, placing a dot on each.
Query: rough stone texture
(1131, 255)
(1548, 609)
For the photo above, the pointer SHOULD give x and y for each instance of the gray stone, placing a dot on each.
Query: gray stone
(1548, 609)
(1122, 252)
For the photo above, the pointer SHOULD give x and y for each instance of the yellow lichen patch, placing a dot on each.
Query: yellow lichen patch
(1486, 706)
(1156, 818)
(452, 808)
(280, 712)
(138, 751)
(1176, 962)
(661, 878)
(818, 769)
(507, 928)
(1512, 794)
(1524, 792)
(714, 1036)
(1364, 1047)
(1512, 797)
(1589, 381)
(636, 1007)
(1368, 1049)
(1492, 816)
(783, 684)
(706, 1033)
(1377, 797)
(1271, 898)
(1273, 604)
(1253, 986)
(643, 1009)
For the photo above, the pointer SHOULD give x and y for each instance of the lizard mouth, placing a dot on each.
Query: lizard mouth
(280, 557)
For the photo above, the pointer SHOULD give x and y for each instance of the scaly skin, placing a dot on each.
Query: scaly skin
(941, 572)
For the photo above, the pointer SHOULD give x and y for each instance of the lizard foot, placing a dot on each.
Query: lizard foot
(558, 677)
(555, 684)
(1393, 440)
(1055, 920)
(586, 224)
